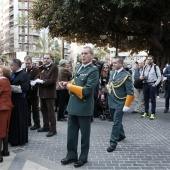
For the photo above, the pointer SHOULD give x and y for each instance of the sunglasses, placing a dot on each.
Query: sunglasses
(105, 67)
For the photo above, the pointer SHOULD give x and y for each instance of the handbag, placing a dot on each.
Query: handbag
(138, 84)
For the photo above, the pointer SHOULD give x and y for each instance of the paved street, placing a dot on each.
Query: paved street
(146, 147)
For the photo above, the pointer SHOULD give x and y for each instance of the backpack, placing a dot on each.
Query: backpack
(154, 69)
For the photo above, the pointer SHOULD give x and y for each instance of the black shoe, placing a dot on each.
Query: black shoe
(134, 112)
(51, 133)
(120, 139)
(166, 110)
(35, 127)
(43, 130)
(1, 160)
(111, 148)
(5, 153)
(79, 163)
(66, 161)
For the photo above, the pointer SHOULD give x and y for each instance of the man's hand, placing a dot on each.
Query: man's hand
(154, 85)
(141, 77)
(39, 81)
(33, 83)
(63, 84)
(125, 109)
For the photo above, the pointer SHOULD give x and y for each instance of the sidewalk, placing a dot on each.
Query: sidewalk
(146, 146)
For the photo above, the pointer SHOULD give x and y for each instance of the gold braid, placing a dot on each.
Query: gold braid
(114, 86)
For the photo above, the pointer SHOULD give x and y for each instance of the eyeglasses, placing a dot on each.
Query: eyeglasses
(105, 67)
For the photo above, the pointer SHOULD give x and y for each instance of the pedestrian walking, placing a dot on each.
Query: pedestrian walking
(121, 94)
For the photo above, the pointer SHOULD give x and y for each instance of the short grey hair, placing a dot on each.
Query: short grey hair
(90, 49)
(62, 62)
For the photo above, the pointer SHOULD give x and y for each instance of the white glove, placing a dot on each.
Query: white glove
(33, 83)
(39, 81)
(125, 108)
(108, 86)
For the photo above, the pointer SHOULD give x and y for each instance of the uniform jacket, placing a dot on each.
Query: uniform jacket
(63, 75)
(87, 78)
(49, 76)
(125, 89)
(33, 72)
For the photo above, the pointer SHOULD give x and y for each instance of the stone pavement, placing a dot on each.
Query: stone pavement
(146, 147)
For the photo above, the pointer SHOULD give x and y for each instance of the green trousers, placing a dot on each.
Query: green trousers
(76, 123)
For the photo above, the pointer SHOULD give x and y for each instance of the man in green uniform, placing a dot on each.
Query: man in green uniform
(120, 97)
(80, 108)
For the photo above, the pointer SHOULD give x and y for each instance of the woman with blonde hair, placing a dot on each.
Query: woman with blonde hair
(104, 78)
(5, 109)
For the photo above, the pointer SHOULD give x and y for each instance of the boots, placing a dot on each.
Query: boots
(1, 158)
(5, 151)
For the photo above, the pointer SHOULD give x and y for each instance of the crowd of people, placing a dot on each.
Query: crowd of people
(62, 92)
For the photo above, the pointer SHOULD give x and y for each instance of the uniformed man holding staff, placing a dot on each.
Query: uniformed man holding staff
(80, 108)
(120, 97)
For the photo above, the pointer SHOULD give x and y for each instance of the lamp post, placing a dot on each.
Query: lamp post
(62, 48)
(116, 45)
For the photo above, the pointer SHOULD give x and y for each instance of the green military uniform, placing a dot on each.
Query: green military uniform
(120, 86)
(80, 111)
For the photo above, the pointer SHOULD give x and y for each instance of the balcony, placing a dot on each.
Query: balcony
(11, 3)
(22, 7)
(11, 12)
(11, 19)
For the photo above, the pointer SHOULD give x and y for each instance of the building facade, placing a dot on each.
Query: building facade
(16, 31)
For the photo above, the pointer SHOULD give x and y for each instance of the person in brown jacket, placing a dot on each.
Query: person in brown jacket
(62, 94)
(32, 97)
(5, 109)
(47, 79)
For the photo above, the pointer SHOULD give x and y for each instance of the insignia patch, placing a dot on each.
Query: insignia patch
(83, 74)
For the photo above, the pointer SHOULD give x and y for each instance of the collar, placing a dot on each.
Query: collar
(18, 70)
(48, 65)
(2, 77)
(85, 65)
(118, 71)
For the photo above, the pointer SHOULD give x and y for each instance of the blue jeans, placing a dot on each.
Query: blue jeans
(149, 93)
(117, 128)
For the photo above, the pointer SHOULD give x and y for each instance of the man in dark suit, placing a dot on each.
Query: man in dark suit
(47, 79)
(80, 108)
(62, 94)
(32, 95)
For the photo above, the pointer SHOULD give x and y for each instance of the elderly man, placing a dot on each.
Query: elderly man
(20, 82)
(47, 92)
(80, 108)
(62, 94)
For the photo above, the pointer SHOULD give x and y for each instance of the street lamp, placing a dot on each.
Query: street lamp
(103, 37)
(130, 38)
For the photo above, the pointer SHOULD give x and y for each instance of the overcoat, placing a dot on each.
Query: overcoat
(5, 106)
